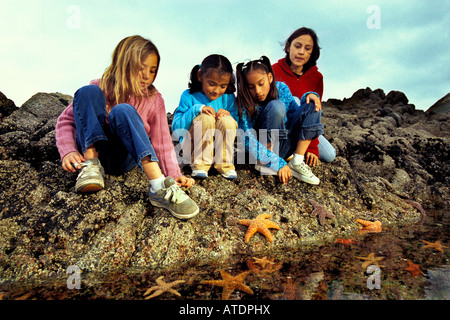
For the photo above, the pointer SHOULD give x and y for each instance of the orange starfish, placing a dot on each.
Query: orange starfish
(414, 269)
(259, 225)
(264, 265)
(230, 283)
(369, 226)
(162, 287)
(436, 245)
(346, 242)
(370, 259)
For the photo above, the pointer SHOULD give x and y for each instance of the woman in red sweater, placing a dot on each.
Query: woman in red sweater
(299, 71)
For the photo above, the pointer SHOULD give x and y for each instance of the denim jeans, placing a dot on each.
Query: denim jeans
(288, 129)
(119, 137)
(327, 153)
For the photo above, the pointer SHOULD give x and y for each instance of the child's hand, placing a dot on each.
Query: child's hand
(222, 113)
(313, 98)
(311, 159)
(209, 111)
(284, 174)
(183, 181)
(72, 158)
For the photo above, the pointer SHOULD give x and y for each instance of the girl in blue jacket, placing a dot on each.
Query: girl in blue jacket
(206, 117)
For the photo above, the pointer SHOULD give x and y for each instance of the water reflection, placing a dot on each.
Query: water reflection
(334, 271)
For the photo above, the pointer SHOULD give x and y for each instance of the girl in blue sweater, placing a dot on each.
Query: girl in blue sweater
(275, 125)
(206, 116)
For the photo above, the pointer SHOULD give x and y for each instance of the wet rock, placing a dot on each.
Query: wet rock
(386, 152)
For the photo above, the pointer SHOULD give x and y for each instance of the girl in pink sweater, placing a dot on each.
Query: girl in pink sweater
(119, 122)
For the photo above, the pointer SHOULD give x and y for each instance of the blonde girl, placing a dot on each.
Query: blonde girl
(119, 122)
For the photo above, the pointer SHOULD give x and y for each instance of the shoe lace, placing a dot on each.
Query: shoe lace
(175, 194)
(304, 168)
(85, 168)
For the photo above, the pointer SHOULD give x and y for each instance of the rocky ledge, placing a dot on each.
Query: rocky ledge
(391, 160)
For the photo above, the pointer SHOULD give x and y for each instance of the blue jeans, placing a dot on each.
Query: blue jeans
(288, 129)
(327, 153)
(120, 138)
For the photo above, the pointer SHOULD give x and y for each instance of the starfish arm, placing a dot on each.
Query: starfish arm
(271, 224)
(160, 281)
(266, 233)
(245, 222)
(250, 232)
(244, 288)
(174, 283)
(175, 292)
(226, 293)
(363, 222)
(321, 220)
(263, 216)
(155, 294)
(150, 290)
(330, 215)
(219, 283)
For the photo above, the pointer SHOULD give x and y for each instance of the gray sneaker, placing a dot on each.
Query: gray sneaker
(172, 198)
(303, 172)
(90, 178)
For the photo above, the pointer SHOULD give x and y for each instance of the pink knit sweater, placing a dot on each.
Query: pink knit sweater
(153, 114)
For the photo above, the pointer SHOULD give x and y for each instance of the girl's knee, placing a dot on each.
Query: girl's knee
(206, 120)
(327, 153)
(120, 111)
(89, 90)
(276, 108)
(227, 122)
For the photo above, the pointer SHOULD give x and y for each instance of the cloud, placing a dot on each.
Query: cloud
(44, 49)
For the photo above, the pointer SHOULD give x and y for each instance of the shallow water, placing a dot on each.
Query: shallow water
(333, 271)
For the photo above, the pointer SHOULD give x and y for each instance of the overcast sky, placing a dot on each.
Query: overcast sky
(59, 46)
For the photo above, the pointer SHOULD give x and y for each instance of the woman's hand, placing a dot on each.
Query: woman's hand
(209, 111)
(222, 113)
(284, 174)
(72, 158)
(183, 181)
(313, 98)
(311, 159)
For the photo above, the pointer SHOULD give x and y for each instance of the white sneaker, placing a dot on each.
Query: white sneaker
(90, 177)
(303, 172)
(230, 174)
(265, 171)
(199, 174)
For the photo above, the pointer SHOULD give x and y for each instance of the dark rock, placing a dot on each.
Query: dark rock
(396, 97)
(441, 106)
(7, 106)
(384, 156)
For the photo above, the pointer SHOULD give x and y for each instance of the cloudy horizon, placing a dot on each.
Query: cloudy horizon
(59, 46)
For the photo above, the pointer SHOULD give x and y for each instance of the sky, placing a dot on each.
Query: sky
(59, 45)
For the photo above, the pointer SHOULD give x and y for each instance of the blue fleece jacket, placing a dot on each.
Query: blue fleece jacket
(190, 106)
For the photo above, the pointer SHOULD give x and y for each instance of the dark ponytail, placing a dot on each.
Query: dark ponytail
(244, 99)
(214, 62)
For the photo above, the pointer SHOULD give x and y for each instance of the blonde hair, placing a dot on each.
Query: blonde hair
(119, 82)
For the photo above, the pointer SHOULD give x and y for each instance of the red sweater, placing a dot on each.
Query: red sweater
(311, 80)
